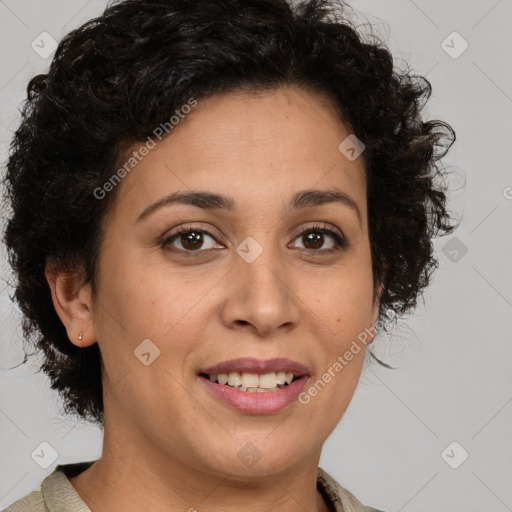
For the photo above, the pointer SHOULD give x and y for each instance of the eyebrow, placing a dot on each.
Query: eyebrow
(211, 201)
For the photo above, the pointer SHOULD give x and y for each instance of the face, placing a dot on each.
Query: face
(265, 278)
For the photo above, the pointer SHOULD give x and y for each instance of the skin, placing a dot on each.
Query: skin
(169, 445)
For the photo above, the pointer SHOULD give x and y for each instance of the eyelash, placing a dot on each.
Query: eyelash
(340, 241)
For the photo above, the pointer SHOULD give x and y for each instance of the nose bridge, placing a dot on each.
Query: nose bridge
(261, 294)
(261, 266)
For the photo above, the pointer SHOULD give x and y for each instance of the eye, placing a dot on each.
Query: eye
(191, 239)
(314, 238)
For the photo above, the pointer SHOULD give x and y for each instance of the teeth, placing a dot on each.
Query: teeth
(281, 377)
(253, 382)
(267, 381)
(250, 380)
(234, 379)
(260, 390)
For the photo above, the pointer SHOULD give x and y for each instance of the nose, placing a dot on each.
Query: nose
(260, 296)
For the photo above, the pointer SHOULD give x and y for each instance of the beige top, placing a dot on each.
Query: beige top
(58, 495)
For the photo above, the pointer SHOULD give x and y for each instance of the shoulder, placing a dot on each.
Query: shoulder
(33, 502)
(341, 499)
(56, 493)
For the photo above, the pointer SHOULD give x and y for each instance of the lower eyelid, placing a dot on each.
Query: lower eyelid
(339, 240)
(166, 242)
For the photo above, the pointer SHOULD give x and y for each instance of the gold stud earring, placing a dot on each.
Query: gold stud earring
(80, 336)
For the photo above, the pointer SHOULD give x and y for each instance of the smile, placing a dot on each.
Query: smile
(253, 382)
(254, 399)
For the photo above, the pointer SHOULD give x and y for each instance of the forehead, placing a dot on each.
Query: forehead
(253, 147)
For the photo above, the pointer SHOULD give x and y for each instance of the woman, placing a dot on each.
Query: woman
(214, 204)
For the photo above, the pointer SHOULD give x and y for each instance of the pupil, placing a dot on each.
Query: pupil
(193, 240)
(315, 238)
(189, 239)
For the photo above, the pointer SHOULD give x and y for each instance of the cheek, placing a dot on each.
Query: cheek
(342, 299)
(141, 300)
(345, 310)
(133, 291)
(353, 332)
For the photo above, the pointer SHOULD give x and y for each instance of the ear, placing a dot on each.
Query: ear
(378, 289)
(375, 310)
(72, 301)
(376, 303)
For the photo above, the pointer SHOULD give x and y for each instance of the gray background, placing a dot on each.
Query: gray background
(454, 383)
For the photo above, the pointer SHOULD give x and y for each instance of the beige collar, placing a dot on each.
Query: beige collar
(60, 496)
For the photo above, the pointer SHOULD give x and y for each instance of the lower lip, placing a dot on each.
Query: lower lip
(257, 403)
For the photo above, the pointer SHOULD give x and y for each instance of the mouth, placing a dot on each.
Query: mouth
(253, 382)
(254, 386)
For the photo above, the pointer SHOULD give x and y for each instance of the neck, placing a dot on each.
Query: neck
(134, 475)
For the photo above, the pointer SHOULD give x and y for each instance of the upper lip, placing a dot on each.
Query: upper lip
(259, 366)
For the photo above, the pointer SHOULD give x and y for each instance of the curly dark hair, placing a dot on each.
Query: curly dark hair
(117, 77)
